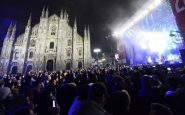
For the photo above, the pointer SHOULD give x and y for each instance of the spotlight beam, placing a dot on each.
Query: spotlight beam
(145, 10)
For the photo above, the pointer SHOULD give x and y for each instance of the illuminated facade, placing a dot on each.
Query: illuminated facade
(50, 45)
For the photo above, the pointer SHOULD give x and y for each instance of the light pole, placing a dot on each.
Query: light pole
(109, 37)
(97, 50)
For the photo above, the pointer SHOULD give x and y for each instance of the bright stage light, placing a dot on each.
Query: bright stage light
(149, 60)
(154, 41)
(143, 46)
(173, 57)
(148, 7)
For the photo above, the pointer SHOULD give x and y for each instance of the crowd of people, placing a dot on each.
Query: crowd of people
(119, 90)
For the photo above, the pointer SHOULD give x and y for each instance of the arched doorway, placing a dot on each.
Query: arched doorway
(29, 68)
(79, 65)
(49, 66)
(68, 66)
(14, 70)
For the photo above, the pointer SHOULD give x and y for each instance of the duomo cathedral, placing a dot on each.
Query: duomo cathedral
(51, 45)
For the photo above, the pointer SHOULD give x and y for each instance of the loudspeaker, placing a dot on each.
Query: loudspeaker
(182, 52)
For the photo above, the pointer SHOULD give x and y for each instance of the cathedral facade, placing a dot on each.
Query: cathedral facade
(51, 45)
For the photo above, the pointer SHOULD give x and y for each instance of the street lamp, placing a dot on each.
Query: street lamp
(97, 50)
(109, 37)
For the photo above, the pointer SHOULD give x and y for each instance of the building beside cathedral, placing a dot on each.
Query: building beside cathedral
(51, 45)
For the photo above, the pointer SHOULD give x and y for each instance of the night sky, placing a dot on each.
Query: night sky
(102, 15)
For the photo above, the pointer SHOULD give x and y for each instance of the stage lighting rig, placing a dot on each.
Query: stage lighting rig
(147, 8)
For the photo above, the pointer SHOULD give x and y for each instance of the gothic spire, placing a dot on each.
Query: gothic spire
(9, 31)
(29, 20)
(85, 32)
(88, 32)
(13, 32)
(43, 12)
(65, 14)
(62, 14)
(47, 12)
(75, 24)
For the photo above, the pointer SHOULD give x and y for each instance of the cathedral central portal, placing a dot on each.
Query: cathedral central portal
(49, 66)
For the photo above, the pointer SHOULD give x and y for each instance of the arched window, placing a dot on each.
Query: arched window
(68, 53)
(16, 56)
(69, 42)
(31, 55)
(79, 65)
(53, 19)
(68, 66)
(32, 43)
(51, 46)
(53, 30)
(29, 68)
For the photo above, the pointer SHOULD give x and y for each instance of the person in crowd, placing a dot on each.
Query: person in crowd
(120, 103)
(96, 100)
(159, 109)
(66, 95)
(94, 91)
(175, 96)
(80, 99)
(4, 93)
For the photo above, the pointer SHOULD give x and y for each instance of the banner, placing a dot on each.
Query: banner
(178, 7)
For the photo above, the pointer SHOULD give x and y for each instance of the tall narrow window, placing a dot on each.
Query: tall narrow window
(79, 65)
(16, 56)
(68, 53)
(69, 42)
(31, 55)
(51, 46)
(32, 43)
(53, 30)
(80, 52)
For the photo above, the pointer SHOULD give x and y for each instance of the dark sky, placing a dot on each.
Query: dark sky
(101, 15)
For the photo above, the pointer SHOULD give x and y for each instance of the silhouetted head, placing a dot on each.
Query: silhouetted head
(159, 109)
(120, 102)
(98, 93)
(82, 91)
(1, 82)
(172, 82)
(119, 83)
